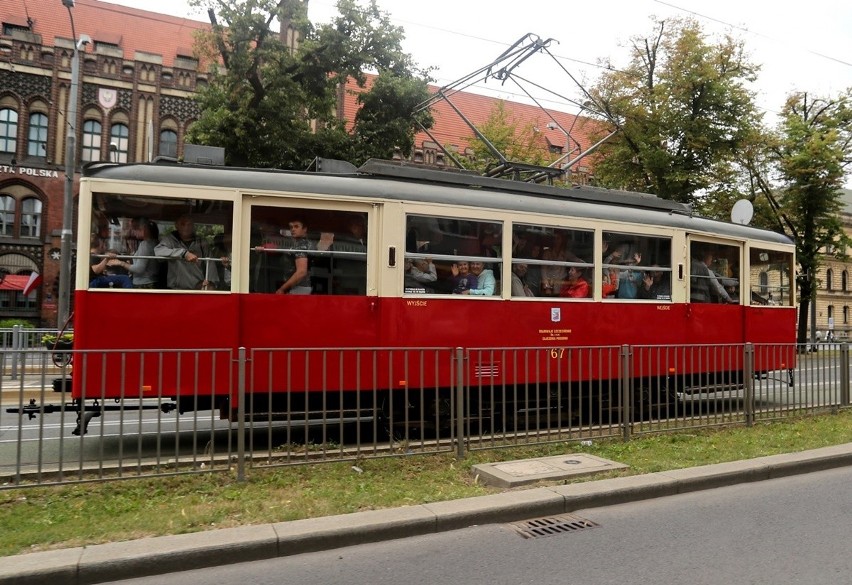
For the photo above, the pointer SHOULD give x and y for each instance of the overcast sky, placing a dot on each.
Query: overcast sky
(800, 46)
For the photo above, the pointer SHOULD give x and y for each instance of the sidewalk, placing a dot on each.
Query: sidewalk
(156, 556)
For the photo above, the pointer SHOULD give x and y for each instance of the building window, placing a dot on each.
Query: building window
(91, 141)
(845, 314)
(844, 280)
(7, 215)
(8, 130)
(37, 145)
(764, 282)
(31, 218)
(168, 143)
(829, 275)
(14, 300)
(118, 143)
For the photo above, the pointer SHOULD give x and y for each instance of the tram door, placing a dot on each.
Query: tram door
(317, 254)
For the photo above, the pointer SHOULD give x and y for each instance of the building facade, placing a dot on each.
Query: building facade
(834, 295)
(137, 78)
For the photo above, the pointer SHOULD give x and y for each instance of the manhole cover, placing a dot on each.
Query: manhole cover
(552, 525)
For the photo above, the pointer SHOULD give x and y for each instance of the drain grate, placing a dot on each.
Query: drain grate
(552, 526)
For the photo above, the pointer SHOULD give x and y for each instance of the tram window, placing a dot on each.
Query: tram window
(714, 275)
(452, 256)
(552, 261)
(771, 282)
(636, 267)
(135, 243)
(333, 244)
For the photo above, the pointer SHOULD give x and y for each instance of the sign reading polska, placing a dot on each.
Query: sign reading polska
(29, 171)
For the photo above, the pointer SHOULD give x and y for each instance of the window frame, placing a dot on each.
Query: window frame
(7, 136)
(40, 138)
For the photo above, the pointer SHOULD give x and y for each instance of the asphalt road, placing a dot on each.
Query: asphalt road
(780, 531)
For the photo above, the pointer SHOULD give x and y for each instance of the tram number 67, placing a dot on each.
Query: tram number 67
(557, 353)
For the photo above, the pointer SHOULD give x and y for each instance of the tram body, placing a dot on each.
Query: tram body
(362, 297)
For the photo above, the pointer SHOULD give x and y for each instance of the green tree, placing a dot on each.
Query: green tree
(682, 110)
(514, 141)
(813, 149)
(274, 104)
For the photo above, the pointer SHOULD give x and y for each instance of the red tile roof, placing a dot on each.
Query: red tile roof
(450, 129)
(138, 30)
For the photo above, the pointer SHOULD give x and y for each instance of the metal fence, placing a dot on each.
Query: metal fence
(148, 413)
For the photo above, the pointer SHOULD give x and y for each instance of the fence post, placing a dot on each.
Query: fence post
(748, 383)
(241, 414)
(626, 394)
(460, 403)
(16, 346)
(844, 374)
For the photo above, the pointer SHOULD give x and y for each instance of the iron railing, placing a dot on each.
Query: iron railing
(158, 412)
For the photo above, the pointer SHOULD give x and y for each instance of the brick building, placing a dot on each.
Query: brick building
(137, 80)
(834, 295)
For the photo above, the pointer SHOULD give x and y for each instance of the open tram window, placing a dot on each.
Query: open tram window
(298, 250)
(452, 256)
(770, 272)
(636, 267)
(144, 242)
(552, 262)
(714, 273)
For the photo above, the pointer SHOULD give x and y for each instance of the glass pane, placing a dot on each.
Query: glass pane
(30, 218)
(771, 277)
(91, 141)
(8, 130)
(446, 255)
(308, 251)
(151, 242)
(551, 261)
(37, 145)
(636, 267)
(714, 274)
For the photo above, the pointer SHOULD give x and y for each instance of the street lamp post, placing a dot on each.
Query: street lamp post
(70, 164)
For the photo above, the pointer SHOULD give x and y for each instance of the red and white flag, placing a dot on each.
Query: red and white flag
(33, 283)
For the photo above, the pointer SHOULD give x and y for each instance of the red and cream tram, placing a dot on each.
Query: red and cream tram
(403, 257)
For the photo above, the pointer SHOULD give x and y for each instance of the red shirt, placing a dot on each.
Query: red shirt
(577, 290)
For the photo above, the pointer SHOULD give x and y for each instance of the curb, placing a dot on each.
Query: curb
(166, 554)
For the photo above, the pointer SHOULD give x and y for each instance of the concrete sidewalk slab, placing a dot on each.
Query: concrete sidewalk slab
(513, 474)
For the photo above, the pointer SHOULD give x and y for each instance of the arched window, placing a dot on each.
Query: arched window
(14, 300)
(168, 143)
(31, 218)
(37, 145)
(829, 275)
(7, 215)
(844, 280)
(8, 130)
(118, 137)
(91, 141)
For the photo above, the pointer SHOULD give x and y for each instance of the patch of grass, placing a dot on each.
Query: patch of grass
(44, 518)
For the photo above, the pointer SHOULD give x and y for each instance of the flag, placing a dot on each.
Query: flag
(33, 283)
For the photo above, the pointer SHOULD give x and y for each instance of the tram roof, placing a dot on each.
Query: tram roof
(408, 182)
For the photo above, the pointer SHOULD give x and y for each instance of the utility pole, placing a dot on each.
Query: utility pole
(65, 253)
